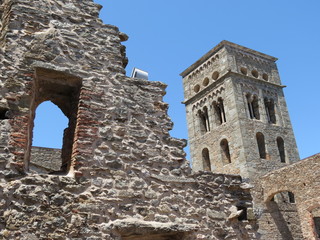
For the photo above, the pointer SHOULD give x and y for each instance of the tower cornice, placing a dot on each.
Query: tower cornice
(227, 44)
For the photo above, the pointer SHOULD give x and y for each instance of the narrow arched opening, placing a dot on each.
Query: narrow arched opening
(219, 112)
(270, 110)
(253, 106)
(206, 160)
(261, 145)
(47, 141)
(281, 150)
(225, 152)
(204, 120)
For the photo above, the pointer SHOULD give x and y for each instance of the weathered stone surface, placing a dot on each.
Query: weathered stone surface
(119, 175)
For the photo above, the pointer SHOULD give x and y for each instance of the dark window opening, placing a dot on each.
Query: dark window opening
(261, 145)
(270, 110)
(204, 120)
(206, 160)
(226, 157)
(282, 153)
(244, 215)
(253, 106)
(316, 221)
(220, 114)
(63, 90)
(249, 104)
(291, 197)
(4, 113)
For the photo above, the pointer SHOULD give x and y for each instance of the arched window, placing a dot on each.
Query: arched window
(206, 160)
(48, 132)
(261, 145)
(206, 117)
(282, 153)
(49, 124)
(253, 106)
(204, 120)
(63, 90)
(270, 110)
(225, 152)
(220, 114)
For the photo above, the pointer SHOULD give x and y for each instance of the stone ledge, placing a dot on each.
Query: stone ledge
(173, 179)
(138, 226)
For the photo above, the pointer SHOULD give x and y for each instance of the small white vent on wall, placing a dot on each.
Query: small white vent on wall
(138, 73)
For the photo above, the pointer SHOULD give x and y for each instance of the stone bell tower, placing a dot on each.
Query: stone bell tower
(238, 121)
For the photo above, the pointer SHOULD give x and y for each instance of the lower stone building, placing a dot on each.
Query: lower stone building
(119, 174)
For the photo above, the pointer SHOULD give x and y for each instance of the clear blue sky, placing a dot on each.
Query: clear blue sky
(165, 37)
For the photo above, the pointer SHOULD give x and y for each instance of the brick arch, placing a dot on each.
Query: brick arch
(268, 196)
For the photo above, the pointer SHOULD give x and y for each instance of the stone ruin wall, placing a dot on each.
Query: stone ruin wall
(295, 220)
(126, 176)
(118, 206)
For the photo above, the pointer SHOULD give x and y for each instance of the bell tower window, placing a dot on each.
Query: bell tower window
(225, 151)
(220, 114)
(204, 120)
(270, 110)
(282, 153)
(261, 145)
(253, 106)
(206, 160)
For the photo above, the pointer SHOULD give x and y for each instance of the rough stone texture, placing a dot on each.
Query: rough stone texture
(123, 206)
(45, 160)
(121, 176)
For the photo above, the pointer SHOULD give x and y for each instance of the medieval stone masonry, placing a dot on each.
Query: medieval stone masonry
(119, 174)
